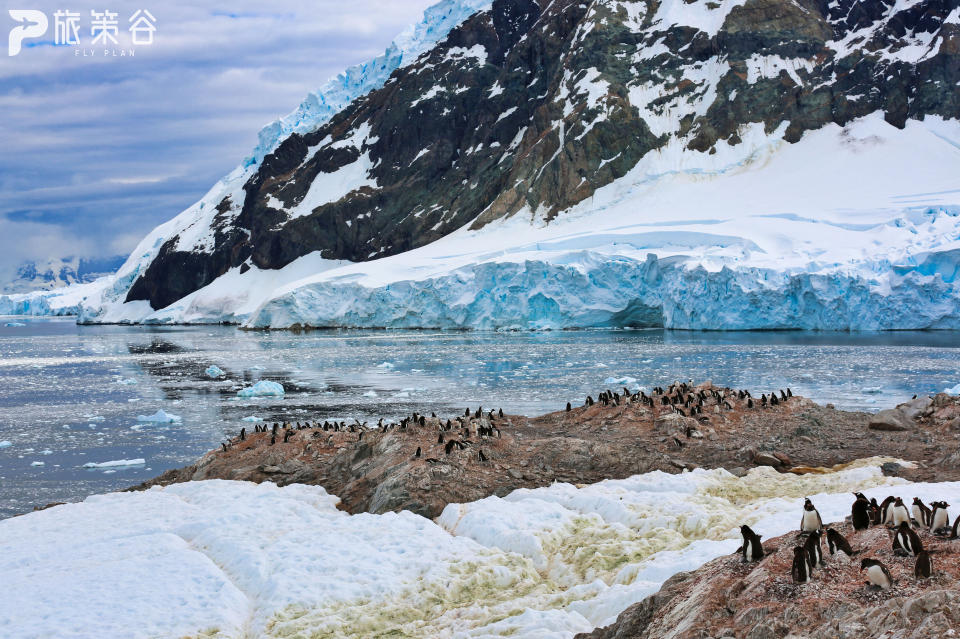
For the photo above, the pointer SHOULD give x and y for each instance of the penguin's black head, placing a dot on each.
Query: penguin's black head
(916, 500)
(807, 504)
(799, 551)
(866, 563)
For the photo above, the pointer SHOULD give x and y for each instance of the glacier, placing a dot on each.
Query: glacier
(192, 559)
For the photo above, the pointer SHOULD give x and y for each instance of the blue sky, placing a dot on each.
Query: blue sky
(96, 151)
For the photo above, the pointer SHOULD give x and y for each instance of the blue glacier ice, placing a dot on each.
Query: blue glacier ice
(592, 290)
(263, 388)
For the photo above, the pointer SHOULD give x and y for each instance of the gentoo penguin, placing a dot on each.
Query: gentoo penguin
(921, 514)
(481, 457)
(898, 513)
(875, 513)
(800, 571)
(243, 434)
(810, 522)
(440, 439)
(449, 446)
(860, 513)
(752, 549)
(500, 413)
(954, 532)
(224, 446)
(569, 407)
(939, 517)
(838, 543)
(814, 550)
(885, 509)
(877, 573)
(906, 541)
(417, 454)
(923, 568)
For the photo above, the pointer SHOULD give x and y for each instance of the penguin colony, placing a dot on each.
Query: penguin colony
(891, 513)
(469, 430)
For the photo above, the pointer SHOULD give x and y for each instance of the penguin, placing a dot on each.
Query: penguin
(481, 457)
(838, 543)
(273, 439)
(569, 407)
(875, 513)
(500, 414)
(906, 541)
(877, 573)
(749, 402)
(860, 513)
(939, 517)
(286, 436)
(243, 434)
(440, 439)
(955, 531)
(800, 571)
(923, 568)
(810, 522)
(752, 549)
(449, 446)
(789, 392)
(921, 513)
(885, 509)
(417, 454)
(466, 413)
(814, 550)
(224, 446)
(898, 513)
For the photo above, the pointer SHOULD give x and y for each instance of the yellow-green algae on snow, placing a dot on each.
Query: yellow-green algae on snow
(584, 557)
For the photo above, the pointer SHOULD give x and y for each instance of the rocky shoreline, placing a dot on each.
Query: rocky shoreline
(376, 468)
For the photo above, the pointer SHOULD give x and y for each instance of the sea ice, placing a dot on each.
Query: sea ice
(214, 371)
(116, 462)
(6, 443)
(263, 388)
(160, 417)
(955, 390)
(251, 418)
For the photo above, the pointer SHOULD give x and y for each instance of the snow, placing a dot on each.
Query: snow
(160, 417)
(194, 557)
(263, 388)
(214, 371)
(116, 463)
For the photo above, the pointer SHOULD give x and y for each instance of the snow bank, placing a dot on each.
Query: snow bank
(160, 417)
(550, 562)
(263, 388)
(116, 462)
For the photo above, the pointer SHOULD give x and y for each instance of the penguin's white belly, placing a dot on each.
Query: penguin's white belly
(810, 521)
(941, 519)
(876, 576)
(918, 515)
(900, 515)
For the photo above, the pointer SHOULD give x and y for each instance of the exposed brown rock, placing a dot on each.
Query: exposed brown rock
(728, 598)
(378, 471)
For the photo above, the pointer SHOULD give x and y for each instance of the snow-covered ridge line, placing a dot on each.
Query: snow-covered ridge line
(570, 558)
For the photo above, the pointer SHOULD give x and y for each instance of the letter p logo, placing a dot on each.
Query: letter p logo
(37, 28)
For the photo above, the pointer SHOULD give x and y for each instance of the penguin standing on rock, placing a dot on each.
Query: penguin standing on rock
(877, 573)
(898, 513)
(838, 543)
(921, 514)
(939, 518)
(814, 550)
(417, 454)
(800, 571)
(906, 541)
(751, 549)
(810, 522)
(923, 568)
(860, 513)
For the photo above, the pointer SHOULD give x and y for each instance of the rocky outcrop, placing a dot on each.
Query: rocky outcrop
(728, 598)
(533, 106)
(377, 470)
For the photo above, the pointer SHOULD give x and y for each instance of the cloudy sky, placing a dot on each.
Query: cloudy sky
(96, 151)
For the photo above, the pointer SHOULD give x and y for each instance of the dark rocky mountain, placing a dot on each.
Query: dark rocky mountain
(532, 106)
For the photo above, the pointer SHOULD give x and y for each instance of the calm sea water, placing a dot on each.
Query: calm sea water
(72, 395)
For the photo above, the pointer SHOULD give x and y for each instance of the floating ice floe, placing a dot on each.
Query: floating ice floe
(37, 463)
(116, 463)
(14, 324)
(214, 371)
(955, 390)
(160, 417)
(263, 388)
(252, 418)
(370, 393)
(126, 381)
(6, 443)
(872, 389)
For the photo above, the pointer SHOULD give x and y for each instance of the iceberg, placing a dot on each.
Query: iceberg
(251, 418)
(116, 463)
(263, 388)
(6, 443)
(214, 371)
(160, 417)
(955, 390)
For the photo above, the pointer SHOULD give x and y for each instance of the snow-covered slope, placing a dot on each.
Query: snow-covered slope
(233, 559)
(522, 165)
